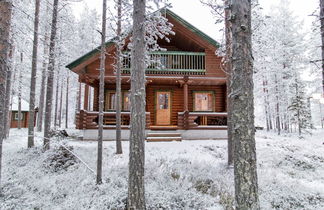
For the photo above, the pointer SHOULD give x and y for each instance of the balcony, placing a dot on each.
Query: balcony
(172, 62)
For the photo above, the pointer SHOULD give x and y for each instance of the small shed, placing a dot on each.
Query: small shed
(14, 113)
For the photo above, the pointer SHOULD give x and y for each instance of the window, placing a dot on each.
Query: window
(21, 116)
(110, 102)
(203, 101)
(126, 101)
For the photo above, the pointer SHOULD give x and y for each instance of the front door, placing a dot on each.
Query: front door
(163, 108)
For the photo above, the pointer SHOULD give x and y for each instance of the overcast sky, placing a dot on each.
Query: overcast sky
(198, 15)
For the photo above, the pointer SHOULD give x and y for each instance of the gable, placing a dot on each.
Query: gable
(191, 37)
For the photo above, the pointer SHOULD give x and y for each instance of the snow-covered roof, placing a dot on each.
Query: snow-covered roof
(24, 104)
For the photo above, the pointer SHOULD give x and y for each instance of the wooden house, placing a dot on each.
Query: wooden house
(14, 113)
(187, 95)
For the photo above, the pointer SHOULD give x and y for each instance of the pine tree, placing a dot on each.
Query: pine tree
(101, 91)
(33, 78)
(136, 192)
(5, 24)
(242, 107)
(50, 78)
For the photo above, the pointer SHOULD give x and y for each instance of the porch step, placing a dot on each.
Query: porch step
(163, 127)
(163, 136)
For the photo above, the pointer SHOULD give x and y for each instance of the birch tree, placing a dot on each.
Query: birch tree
(5, 24)
(136, 192)
(31, 118)
(242, 114)
(50, 77)
(101, 91)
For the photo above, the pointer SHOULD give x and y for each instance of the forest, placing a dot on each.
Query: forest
(137, 104)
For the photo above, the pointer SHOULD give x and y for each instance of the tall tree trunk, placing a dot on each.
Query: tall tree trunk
(40, 114)
(61, 104)
(31, 119)
(322, 36)
(50, 76)
(20, 89)
(5, 24)
(56, 96)
(136, 192)
(101, 91)
(6, 121)
(245, 171)
(277, 106)
(228, 71)
(67, 100)
(118, 81)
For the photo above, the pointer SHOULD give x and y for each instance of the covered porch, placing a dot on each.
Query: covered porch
(172, 103)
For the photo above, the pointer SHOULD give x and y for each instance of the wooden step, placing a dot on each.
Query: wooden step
(166, 127)
(161, 139)
(165, 134)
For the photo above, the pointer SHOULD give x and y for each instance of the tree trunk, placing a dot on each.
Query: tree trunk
(136, 193)
(322, 36)
(5, 24)
(56, 97)
(50, 76)
(19, 89)
(6, 121)
(40, 114)
(118, 81)
(31, 119)
(228, 67)
(245, 173)
(101, 91)
(67, 100)
(277, 106)
(61, 104)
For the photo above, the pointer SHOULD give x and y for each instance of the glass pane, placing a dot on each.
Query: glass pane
(126, 105)
(203, 102)
(163, 101)
(112, 101)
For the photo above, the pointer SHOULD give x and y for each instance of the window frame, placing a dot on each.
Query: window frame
(203, 91)
(107, 100)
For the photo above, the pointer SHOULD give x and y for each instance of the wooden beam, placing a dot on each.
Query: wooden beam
(86, 97)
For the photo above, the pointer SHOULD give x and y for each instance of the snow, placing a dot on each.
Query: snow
(24, 104)
(179, 175)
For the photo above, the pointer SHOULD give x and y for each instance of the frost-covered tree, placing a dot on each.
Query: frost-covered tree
(5, 26)
(33, 78)
(50, 78)
(279, 60)
(245, 171)
(136, 192)
(101, 91)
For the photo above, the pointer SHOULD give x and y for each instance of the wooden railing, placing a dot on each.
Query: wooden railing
(89, 120)
(202, 120)
(172, 62)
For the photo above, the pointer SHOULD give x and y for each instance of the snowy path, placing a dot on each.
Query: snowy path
(179, 175)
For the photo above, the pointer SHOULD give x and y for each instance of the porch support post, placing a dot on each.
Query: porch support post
(186, 107)
(86, 97)
(79, 98)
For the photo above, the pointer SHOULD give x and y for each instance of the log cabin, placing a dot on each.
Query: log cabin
(14, 113)
(185, 98)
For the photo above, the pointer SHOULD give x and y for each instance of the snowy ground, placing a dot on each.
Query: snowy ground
(179, 175)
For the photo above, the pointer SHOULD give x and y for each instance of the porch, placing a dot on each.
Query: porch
(186, 121)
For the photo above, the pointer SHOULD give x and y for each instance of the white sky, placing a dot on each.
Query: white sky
(198, 15)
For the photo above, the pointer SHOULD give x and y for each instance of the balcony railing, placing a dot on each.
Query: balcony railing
(165, 62)
(202, 120)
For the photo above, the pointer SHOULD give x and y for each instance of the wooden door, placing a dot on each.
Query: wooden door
(163, 108)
